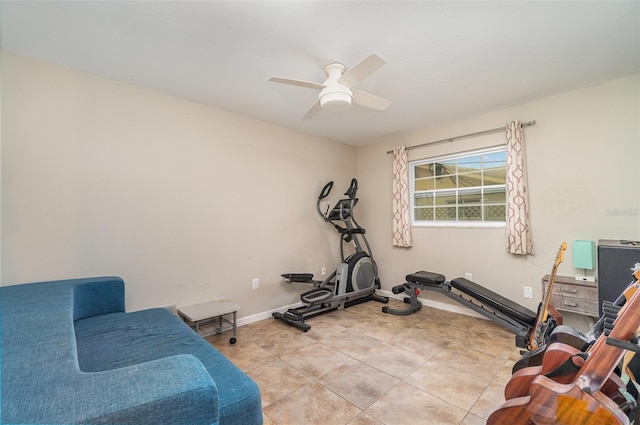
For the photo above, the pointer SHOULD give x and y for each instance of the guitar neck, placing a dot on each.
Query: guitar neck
(544, 308)
(535, 337)
(603, 357)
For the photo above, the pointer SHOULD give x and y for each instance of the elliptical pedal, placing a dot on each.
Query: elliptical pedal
(316, 295)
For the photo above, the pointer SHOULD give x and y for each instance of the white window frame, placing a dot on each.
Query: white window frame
(453, 223)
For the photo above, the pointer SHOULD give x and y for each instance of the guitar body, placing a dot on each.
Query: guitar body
(557, 355)
(530, 359)
(555, 314)
(553, 403)
(554, 356)
(562, 334)
(569, 336)
(541, 333)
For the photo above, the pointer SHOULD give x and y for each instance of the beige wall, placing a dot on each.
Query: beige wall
(185, 202)
(584, 178)
(188, 203)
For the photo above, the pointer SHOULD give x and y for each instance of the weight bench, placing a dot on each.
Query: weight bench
(501, 310)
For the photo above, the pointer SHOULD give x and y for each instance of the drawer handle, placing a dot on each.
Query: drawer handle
(569, 304)
(570, 291)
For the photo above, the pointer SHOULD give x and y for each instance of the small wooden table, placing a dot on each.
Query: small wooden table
(208, 318)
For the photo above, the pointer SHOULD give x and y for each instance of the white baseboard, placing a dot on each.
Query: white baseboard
(264, 315)
(425, 302)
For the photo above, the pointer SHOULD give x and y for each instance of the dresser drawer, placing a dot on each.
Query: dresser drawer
(572, 295)
(575, 305)
(577, 291)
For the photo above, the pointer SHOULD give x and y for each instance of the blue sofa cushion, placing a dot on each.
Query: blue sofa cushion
(117, 340)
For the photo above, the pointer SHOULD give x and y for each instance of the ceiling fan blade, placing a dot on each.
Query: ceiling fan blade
(314, 109)
(299, 83)
(362, 70)
(370, 101)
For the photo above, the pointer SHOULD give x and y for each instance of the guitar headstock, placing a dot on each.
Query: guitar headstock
(560, 255)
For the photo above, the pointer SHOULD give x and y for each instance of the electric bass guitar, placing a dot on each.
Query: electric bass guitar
(544, 324)
(581, 401)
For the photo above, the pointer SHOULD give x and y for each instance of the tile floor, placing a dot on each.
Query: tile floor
(359, 366)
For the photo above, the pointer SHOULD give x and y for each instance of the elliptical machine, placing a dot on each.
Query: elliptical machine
(354, 281)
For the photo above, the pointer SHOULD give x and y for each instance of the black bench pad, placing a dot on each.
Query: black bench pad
(496, 301)
(426, 278)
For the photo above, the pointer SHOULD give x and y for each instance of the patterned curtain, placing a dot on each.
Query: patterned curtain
(518, 226)
(401, 216)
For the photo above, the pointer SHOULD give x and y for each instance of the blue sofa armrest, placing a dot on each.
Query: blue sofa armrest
(171, 390)
(96, 296)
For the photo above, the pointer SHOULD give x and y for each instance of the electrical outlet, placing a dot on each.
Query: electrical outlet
(468, 276)
(528, 292)
(323, 270)
(255, 283)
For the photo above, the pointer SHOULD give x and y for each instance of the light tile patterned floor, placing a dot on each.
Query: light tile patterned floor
(360, 367)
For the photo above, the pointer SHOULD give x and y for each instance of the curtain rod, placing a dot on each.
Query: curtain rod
(464, 136)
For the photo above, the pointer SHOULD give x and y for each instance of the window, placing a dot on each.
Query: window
(467, 189)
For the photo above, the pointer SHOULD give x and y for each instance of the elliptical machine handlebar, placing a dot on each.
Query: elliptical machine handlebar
(353, 189)
(343, 207)
(326, 190)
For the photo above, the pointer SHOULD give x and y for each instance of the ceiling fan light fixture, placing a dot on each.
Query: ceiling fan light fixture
(336, 98)
(335, 102)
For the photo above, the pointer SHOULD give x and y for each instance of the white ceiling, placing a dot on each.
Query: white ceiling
(445, 59)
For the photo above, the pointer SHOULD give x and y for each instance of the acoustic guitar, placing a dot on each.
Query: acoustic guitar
(580, 402)
(562, 363)
(544, 323)
(561, 334)
(572, 337)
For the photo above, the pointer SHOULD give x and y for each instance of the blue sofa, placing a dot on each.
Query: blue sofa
(70, 354)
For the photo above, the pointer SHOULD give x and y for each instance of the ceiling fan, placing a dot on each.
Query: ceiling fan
(337, 92)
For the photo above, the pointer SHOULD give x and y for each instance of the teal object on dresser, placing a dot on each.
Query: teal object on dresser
(70, 354)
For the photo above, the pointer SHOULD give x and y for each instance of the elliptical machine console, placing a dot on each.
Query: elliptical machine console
(355, 279)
